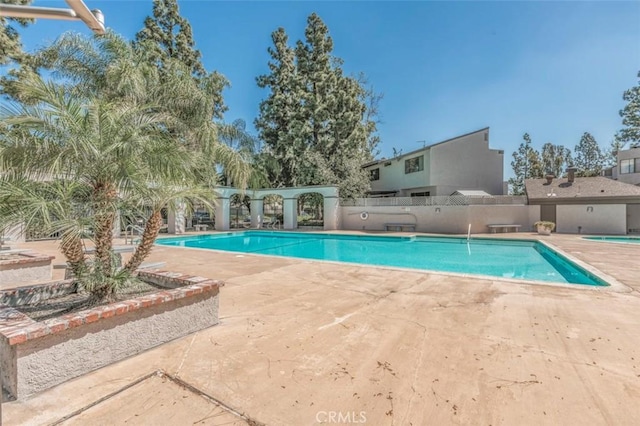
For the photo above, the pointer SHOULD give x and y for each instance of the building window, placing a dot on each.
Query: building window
(374, 174)
(413, 165)
(420, 194)
(627, 166)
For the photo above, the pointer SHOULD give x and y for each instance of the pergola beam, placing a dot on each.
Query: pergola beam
(78, 12)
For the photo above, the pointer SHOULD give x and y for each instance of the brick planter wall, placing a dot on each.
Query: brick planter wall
(25, 268)
(38, 355)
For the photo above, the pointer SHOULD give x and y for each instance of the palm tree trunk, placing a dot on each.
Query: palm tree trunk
(71, 246)
(105, 216)
(151, 231)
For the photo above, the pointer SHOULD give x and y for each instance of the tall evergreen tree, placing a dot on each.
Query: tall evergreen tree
(315, 120)
(630, 117)
(526, 164)
(279, 114)
(588, 156)
(555, 158)
(167, 35)
(10, 45)
(11, 53)
(611, 154)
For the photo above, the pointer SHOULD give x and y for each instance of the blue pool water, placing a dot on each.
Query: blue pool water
(627, 240)
(528, 260)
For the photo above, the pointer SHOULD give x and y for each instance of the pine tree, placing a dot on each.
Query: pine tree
(630, 117)
(167, 35)
(315, 122)
(526, 164)
(11, 52)
(588, 156)
(10, 45)
(555, 158)
(611, 154)
(278, 114)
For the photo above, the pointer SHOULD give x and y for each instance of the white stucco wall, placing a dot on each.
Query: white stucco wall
(593, 218)
(441, 219)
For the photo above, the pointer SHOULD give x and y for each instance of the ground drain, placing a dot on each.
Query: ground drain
(147, 401)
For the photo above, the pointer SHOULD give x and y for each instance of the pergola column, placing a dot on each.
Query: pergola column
(176, 219)
(330, 213)
(290, 213)
(222, 210)
(257, 212)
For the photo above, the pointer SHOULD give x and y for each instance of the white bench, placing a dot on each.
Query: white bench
(200, 228)
(505, 227)
(399, 226)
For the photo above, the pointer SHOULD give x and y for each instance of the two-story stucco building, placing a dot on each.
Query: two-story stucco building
(462, 163)
(627, 169)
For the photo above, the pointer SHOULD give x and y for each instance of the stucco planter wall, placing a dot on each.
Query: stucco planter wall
(22, 268)
(38, 355)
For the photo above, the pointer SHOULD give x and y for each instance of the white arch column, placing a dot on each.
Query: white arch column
(330, 212)
(257, 212)
(290, 213)
(222, 210)
(176, 219)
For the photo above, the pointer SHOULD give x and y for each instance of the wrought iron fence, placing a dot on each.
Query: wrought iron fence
(36, 234)
(439, 200)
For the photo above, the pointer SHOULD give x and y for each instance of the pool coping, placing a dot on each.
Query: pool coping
(596, 239)
(613, 284)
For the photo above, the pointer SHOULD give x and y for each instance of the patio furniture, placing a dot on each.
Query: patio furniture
(505, 227)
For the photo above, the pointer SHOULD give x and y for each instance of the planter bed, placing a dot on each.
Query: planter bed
(24, 267)
(38, 355)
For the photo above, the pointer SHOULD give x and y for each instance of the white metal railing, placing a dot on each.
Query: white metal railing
(129, 232)
(439, 200)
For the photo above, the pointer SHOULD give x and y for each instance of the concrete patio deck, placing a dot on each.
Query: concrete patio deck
(301, 342)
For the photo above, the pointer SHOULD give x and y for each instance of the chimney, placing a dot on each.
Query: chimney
(549, 176)
(571, 174)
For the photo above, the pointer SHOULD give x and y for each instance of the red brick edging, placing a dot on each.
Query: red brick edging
(18, 328)
(26, 257)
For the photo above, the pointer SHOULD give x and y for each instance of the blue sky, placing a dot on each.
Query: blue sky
(552, 69)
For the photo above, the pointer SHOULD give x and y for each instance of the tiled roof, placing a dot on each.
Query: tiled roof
(582, 187)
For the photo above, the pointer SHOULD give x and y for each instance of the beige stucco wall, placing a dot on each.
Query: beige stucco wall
(467, 163)
(44, 362)
(461, 163)
(441, 219)
(393, 177)
(632, 178)
(593, 218)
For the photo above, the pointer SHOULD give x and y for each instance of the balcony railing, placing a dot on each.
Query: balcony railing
(454, 200)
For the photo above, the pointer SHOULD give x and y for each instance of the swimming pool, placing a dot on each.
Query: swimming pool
(519, 259)
(625, 240)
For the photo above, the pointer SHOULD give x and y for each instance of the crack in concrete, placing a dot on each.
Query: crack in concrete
(184, 356)
(415, 375)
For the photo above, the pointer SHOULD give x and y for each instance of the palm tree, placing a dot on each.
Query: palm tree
(126, 134)
(107, 149)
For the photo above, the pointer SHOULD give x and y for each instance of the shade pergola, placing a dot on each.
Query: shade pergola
(94, 19)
